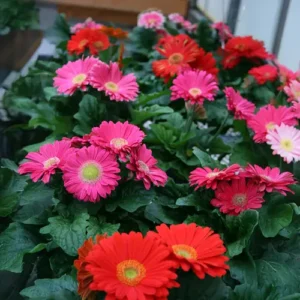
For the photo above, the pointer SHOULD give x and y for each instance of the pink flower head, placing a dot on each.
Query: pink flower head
(151, 19)
(223, 30)
(210, 178)
(43, 164)
(194, 86)
(285, 75)
(296, 109)
(91, 173)
(189, 27)
(285, 141)
(110, 79)
(144, 165)
(78, 142)
(267, 118)
(120, 138)
(88, 23)
(176, 18)
(270, 179)
(293, 91)
(238, 195)
(74, 75)
(241, 108)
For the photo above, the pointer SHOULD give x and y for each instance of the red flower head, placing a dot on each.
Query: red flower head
(270, 179)
(84, 277)
(87, 38)
(178, 51)
(194, 247)
(206, 62)
(131, 267)
(264, 73)
(237, 196)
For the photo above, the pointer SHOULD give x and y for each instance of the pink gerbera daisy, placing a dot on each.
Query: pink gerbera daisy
(118, 137)
(91, 173)
(237, 196)
(78, 142)
(194, 86)
(270, 179)
(110, 79)
(43, 164)
(293, 91)
(241, 108)
(74, 75)
(144, 165)
(211, 177)
(267, 118)
(88, 23)
(176, 18)
(223, 30)
(285, 141)
(189, 27)
(296, 109)
(151, 19)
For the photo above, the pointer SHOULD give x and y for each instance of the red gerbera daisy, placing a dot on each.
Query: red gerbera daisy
(88, 38)
(237, 196)
(84, 277)
(270, 179)
(264, 73)
(131, 267)
(206, 62)
(194, 247)
(178, 51)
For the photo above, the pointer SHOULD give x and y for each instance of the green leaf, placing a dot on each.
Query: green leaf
(252, 292)
(15, 242)
(60, 31)
(243, 154)
(240, 229)
(274, 217)
(9, 164)
(50, 92)
(37, 146)
(139, 116)
(190, 200)
(204, 158)
(205, 36)
(63, 288)
(69, 234)
(160, 214)
(99, 226)
(91, 113)
(144, 99)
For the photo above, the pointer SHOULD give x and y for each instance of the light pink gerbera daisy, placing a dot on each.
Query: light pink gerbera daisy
(110, 79)
(293, 91)
(237, 196)
(143, 164)
(151, 19)
(176, 18)
(118, 137)
(194, 86)
(211, 177)
(240, 107)
(88, 23)
(270, 179)
(267, 118)
(91, 173)
(285, 141)
(74, 75)
(43, 164)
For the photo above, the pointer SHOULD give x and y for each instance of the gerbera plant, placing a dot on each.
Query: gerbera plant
(162, 164)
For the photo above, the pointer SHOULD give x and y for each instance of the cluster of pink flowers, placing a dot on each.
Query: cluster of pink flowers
(77, 75)
(90, 165)
(88, 23)
(180, 20)
(238, 189)
(153, 19)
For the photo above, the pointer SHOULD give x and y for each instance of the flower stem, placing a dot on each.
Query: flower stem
(219, 130)
(190, 119)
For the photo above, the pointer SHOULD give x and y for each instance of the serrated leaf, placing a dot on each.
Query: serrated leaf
(204, 158)
(98, 226)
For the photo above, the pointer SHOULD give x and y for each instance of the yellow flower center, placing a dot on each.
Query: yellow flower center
(185, 251)
(79, 79)
(91, 172)
(83, 43)
(50, 162)
(239, 199)
(143, 166)
(130, 272)
(98, 45)
(240, 47)
(287, 144)
(175, 58)
(195, 92)
(111, 86)
(118, 142)
(270, 126)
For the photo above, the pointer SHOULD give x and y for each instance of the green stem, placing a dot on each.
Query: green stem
(190, 119)
(280, 163)
(219, 130)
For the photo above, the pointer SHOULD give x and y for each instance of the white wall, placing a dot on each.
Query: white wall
(217, 9)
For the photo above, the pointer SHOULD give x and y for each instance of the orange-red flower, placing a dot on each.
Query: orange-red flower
(131, 267)
(179, 51)
(264, 73)
(246, 47)
(84, 277)
(92, 39)
(194, 247)
(117, 33)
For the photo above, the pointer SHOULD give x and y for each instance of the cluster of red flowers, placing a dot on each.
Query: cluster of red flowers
(133, 267)
(90, 164)
(238, 189)
(243, 47)
(181, 53)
